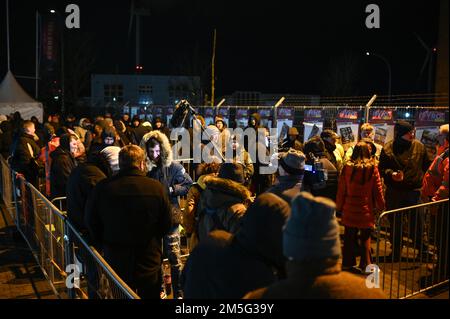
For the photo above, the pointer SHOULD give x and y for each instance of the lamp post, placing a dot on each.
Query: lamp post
(389, 71)
(63, 106)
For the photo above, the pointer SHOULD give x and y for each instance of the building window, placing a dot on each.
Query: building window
(145, 89)
(113, 92)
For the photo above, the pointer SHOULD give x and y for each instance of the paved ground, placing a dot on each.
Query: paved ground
(20, 275)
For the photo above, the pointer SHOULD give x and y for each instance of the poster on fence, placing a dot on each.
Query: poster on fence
(169, 114)
(385, 116)
(285, 120)
(208, 115)
(312, 129)
(428, 136)
(242, 118)
(224, 113)
(266, 117)
(348, 131)
(347, 116)
(283, 128)
(383, 133)
(313, 116)
(430, 118)
(157, 112)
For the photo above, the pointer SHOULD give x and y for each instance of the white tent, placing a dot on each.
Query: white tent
(14, 98)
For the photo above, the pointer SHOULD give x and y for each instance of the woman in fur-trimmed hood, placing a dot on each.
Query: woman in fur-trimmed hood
(224, 201)
(176, 182)
(160, 165)
(166, 149)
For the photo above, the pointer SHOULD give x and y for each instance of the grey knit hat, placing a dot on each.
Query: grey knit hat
(311, 232)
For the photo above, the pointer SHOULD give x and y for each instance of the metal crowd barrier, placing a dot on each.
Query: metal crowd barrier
(73, 268)
(92, 277)
(417, 258)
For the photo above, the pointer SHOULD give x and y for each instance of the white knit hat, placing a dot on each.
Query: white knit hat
(111, 153)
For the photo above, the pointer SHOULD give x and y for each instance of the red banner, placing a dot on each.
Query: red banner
(347, 116)
(381, 116)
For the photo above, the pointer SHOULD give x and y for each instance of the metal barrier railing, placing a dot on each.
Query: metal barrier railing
(96, 279)
(61, 203)
(73, 268)
(416, 259)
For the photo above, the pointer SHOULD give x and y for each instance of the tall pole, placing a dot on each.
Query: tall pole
(389, 71)
(36, 87)
(390, 74)
(213, 69)
(138, 40)
(7, 35)
(63, 102)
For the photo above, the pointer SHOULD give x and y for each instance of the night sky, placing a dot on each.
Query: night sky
(268, 46)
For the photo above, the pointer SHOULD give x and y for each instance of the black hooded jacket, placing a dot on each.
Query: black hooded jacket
(62, 165)
(227, 266)
(409, 157)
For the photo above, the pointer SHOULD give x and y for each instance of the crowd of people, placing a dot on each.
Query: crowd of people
(251, 235)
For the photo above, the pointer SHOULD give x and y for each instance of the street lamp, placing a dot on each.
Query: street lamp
(389, 71)
(63, 106)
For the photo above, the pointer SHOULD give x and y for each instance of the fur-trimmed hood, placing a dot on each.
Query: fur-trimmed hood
(166, 148)
(222, 191)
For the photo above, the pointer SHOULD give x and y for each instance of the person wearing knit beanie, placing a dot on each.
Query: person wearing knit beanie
(312, 231)
(403, 163)
(402, 127)
(111, 154)
(290, 175)
(312, 247)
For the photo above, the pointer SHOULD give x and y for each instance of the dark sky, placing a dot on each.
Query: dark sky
(279, 46)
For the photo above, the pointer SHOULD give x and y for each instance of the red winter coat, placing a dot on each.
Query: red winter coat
(357, 201)
(435, 181)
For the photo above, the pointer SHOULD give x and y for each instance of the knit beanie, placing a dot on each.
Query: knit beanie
(311, 232)
(111, 154)
(402, 127)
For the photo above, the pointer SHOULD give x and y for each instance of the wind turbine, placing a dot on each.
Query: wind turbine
(429, 61)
